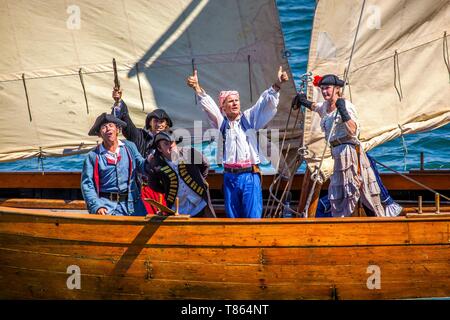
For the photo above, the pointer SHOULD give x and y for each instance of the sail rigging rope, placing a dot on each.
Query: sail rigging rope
(298, 159)
(285, 167)
(40, 158)
(84, 89)
(26, 95)
(397, 77)
(149, 64)
(412, 180)
(445, 53)
(398, 52)
(405, 148)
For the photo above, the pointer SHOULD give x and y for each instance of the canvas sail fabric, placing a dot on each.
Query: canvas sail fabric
(234, 44)
(394, 93)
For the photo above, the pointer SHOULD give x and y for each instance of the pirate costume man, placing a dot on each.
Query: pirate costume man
(242, 176)
(180, 173)
(143, 138)
(108, 179)
(353, 179)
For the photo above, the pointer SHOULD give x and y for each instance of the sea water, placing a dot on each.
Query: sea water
(296, 19)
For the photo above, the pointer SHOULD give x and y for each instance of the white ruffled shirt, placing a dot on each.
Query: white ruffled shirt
(241, 148)
(327, 119)
(189, 201)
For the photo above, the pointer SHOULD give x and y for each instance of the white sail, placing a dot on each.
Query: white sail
(233, 44)
(399, 76)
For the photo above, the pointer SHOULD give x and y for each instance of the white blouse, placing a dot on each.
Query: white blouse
(327, 119)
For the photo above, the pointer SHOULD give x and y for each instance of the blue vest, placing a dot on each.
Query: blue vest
(226, 126)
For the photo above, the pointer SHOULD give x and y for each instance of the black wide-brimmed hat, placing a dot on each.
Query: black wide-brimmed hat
(331, 80)
(102, 119)
(158, 114)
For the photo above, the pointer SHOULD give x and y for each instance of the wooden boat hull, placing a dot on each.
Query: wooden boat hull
(185, 258)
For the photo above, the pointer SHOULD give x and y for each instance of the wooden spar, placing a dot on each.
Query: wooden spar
(173, 258)
(307, 184)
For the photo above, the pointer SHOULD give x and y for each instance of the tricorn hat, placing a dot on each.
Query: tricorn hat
(158, 114)
(331, 80)
(102, 119)
(164, 135)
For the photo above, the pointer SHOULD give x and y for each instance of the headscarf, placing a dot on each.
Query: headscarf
(223, 96)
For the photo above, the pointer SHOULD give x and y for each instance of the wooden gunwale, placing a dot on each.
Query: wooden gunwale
(186, 218)
(439, 180)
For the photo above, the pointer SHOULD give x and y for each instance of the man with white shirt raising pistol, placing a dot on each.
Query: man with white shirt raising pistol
(242, 180)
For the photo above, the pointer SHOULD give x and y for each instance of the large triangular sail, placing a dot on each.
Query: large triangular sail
(56, 73)
(399, 77)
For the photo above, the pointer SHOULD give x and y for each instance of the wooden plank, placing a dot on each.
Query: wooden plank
(235, 255)
(48, 284)
(53, 180)
(216, 232)
(44, 203)
(81, 205)
(71, 180)
(44, 284)
(354, 271)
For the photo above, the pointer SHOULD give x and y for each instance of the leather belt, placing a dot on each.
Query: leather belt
(115, 196)
(344, 140)
(253, 168)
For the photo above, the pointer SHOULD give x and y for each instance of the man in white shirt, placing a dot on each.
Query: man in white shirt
(242, 180)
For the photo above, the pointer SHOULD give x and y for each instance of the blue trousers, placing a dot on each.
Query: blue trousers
(242, 195)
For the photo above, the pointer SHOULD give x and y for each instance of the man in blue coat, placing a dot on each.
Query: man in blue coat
(108, 179)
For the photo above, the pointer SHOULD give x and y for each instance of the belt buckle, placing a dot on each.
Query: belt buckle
(114, 196)
(335, 142)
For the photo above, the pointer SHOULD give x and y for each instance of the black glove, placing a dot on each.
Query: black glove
(300, 100)
(340, 105)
